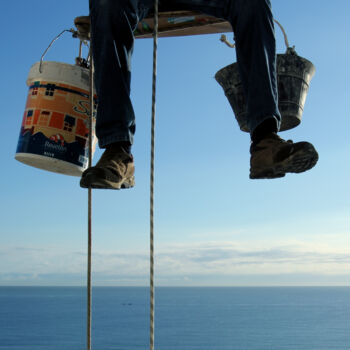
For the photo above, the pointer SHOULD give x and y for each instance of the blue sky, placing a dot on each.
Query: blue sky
(214, 226)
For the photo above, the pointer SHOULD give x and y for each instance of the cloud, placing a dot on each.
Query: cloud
(208, 262)
(229, 258)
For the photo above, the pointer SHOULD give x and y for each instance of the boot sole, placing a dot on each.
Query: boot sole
(298, 162)
(91, 181)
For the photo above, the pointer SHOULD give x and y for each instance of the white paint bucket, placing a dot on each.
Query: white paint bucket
(54, 131)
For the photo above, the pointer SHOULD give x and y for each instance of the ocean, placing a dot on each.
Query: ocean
(237, 318)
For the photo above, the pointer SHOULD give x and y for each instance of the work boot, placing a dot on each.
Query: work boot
(273, 157)
(115, 170)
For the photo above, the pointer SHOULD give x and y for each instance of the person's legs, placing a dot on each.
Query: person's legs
(271, 156)
(253, 27)
(112, 25)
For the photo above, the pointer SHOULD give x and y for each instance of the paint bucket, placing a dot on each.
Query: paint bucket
(294, 74)
(54, 131)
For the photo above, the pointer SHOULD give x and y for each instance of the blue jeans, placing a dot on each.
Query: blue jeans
(112, 25)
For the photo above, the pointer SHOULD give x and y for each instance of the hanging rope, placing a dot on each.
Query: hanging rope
(91, 103)
(154, 80)
(89, 286)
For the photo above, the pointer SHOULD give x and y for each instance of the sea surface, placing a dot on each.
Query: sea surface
(276, 318)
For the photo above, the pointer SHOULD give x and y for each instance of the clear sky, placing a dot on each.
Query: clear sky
(213, 225)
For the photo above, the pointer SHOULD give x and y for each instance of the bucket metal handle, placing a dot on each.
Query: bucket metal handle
(223, 37)
(53, 40)
(75, 34)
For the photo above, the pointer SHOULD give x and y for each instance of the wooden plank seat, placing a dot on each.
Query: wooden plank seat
(181, 23)
(170, 24)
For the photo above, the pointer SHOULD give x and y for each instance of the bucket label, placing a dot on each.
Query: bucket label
(177, 20)
(55, 122)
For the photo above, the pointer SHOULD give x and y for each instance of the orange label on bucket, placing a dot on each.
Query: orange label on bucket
(55, 122)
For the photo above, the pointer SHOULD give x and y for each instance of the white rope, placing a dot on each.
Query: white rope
(154, 80)
(91, 102)
(89, 285)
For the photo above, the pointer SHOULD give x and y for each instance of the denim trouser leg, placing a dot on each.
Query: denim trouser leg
(113, 23)
(112, 26)
(253, 27)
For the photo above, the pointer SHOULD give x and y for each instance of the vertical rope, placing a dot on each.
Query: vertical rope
(154, 80)
(89, 287)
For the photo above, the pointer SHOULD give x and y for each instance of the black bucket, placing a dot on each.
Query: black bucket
(294, 74)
